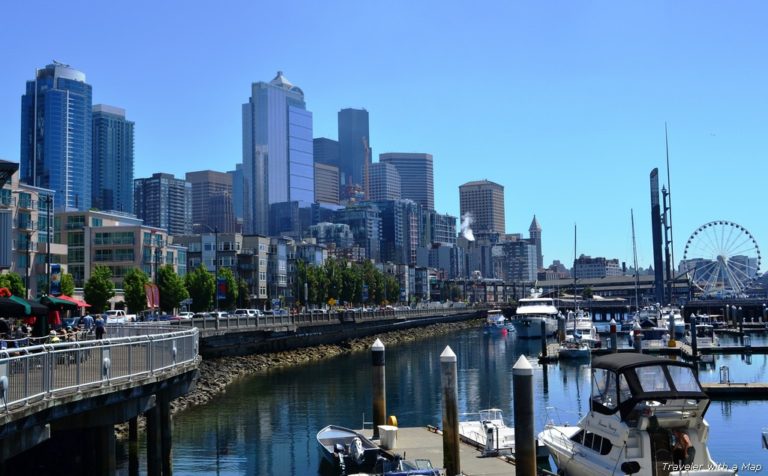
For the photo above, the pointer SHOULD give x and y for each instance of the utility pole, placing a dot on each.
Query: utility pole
(216, 266)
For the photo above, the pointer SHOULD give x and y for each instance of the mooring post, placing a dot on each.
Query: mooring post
(614, 339)
(451, 459)
(765, 310)
(560, 328)
(525, 439)
(133, 446)
(741, 321)
(543, 338)
(694, 339)
(638, 336)
(153, 441)
(379, 387)
(166, 435)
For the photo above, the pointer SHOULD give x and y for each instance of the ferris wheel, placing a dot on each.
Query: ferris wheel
(722, 259)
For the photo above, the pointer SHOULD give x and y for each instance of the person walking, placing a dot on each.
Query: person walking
(88, 323)
(100, 327)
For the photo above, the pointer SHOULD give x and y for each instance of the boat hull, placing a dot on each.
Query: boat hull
(530, 327)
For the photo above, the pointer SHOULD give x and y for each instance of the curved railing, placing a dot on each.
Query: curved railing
(34, 373)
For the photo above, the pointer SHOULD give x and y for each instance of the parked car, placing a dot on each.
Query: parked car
(185, 315)
(218, 315)
(247, 313)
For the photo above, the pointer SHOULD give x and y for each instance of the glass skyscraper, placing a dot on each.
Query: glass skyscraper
(416, 178)
(354, 150)
(112, 179)
(277, 152)
(56, 128)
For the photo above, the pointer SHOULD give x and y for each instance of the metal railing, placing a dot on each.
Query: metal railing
(33, 373)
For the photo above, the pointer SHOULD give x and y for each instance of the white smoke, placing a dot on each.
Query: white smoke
(466, 223)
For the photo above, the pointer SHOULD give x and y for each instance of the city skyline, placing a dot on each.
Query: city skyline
(565, 110)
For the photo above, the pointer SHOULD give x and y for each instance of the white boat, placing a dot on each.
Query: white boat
(574, 349)
(637, 402)
(531, 312)
(491, 434)
(495, 321)
(579, 327)
(705, 334)
(672, 313)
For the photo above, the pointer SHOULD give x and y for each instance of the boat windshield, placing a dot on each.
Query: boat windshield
(652, 379)
(536, 302)
(684, 379)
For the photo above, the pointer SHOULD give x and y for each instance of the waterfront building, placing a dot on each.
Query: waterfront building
(400, 225)
(212, 250)
(515, 261)
(354, 151)
(252, 267)
(365, 222)
(384, 182)
(598, 267)
(416, 177)
(212, 204)
(112, 179)
(164, 201)
(26, 230)
(326, 151)
(56, 135)
(534, 231)
(119, 241)
(277, 152)
(326, 184)
(278, 289)
(338, 234)
(484, 200)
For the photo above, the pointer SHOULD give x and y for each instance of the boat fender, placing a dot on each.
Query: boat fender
(392, 420)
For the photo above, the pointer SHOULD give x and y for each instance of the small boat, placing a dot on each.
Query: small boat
(705, 334)
(574, 349)
(491, 434)
(349, 452)
(640, 407)
(495, 321)
(531, 312)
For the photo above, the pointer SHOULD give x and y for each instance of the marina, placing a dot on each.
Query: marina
(267, 424)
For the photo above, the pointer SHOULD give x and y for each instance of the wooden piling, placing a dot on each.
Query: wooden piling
(153, 441)
(638, 337)
(614, 337)
(379, 387)
(166, 435)
(525, 438)
(543, 338)
(694, 340)
(451, 459)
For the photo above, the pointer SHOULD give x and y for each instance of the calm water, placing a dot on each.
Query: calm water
(267, 424)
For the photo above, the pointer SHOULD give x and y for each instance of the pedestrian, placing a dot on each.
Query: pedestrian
(88, 323)
(100, 327)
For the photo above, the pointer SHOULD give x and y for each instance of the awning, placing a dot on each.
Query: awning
(77, 302)
(57, 301)
(15, 306)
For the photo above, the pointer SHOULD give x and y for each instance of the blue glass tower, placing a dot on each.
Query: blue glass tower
(56, 129)
(112, 179)
(277, 152)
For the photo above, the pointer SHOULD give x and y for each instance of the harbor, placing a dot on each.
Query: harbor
(266, 423)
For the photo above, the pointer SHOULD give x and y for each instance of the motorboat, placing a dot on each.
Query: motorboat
(574, 349)
(349, 452)
(637, 403)
(705, 335)
(580, 329)
(531, 312)
(495, 321)
(672, 314)
(491, 435)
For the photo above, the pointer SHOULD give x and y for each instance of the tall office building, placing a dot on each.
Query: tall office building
(354, 151)
(164, 201)
(416, 179)
(326, 183)
(56, 128)
(534, 232)
(385, 182)
(326, 151)
(485, 201)
(237, 193)
(211, 191)
(277, 152)
(112, 179)
(400, 230)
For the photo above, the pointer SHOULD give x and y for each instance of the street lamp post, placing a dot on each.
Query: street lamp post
(29, 264)
(216, 265)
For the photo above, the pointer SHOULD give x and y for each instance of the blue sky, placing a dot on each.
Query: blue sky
(563, 103)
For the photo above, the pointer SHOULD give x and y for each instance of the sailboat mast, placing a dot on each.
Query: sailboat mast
(574, 270)
(669, 197)
(634, 253)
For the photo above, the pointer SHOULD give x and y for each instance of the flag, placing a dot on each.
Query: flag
(155, 296)
(55, 280)
(149, 294)
(221, 288)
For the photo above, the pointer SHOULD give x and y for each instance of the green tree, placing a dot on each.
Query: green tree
(67, 284)
(14, 283)
(587, 293)
(99, 288)
(133, 287)
(200, 286)
(231, 296)
(243, 294)
(393, 288)
(171, 288)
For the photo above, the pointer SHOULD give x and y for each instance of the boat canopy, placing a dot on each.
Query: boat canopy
(620, 382)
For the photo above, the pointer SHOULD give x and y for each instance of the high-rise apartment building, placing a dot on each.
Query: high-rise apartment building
(112, 149)
(485, 201)
(417, 182)
(212, 200)
(164, 201)
(534, 231)
(384, 182)
(400, 230)
(56, 128)
(354, 151)
(277, 151)
(326, 183)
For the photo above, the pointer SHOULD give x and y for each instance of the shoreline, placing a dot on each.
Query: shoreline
(215, 375)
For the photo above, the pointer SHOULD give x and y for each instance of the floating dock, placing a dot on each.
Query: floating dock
(427, 443)
(736, 391)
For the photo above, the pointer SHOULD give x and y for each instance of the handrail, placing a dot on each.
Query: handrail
(33, 373)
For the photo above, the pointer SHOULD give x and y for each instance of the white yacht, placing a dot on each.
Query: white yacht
(672, 313)
(705, 334)
(495, 320)
(579, 327)
(637, 402)
(531, 312)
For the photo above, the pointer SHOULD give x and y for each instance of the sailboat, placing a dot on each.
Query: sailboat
(582, 337)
